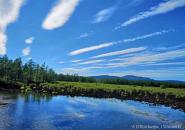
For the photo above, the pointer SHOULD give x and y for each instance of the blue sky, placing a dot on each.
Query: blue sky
(96, 37)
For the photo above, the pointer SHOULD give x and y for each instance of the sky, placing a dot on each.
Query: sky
(97, 37)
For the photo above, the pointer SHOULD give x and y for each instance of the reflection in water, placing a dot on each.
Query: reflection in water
(140, 112)
(6, 98)
(45, 112)
(35, 98)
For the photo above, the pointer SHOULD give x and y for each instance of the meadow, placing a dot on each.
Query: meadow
(178, 92)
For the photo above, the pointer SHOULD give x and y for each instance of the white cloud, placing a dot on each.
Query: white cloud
(162, 8)
(164, 48)
(90, 62)
(60, 14)
(146, 36)
(161, 56)
(76, 61)
(3, 39)
(29, 40)
(91, 48)
(104, 45)
(126, 51)
(168, 63)
(148, 58)
(9, 11)
(80, 71)
(119, 59)
(103, 15)
(26, 51)
(84, 35)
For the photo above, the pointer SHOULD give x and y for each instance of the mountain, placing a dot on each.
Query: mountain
(105, 77)
(128, 77)
(132, 77)
(174, 81)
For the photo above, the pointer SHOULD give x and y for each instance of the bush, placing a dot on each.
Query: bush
(163, 86)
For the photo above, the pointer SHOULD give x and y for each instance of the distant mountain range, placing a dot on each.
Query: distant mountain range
(132, 77)
(128, 77)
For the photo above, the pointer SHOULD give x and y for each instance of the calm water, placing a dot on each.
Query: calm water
(62, 112)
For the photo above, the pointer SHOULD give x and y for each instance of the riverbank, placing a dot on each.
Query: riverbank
(165, 96)
(6, 97)
(66, 112)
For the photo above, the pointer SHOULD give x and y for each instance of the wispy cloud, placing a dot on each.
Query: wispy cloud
(76, 61)
(168, 63)
(61, 62)
(60, 14)
(91, 48)
(29, 40)
(120, 59)
(104, 45)
(162, 8)
(84, 35)
(104, 15)
(146, 36)
(126, 51)
(80, 71)
(165, 48)
(90, 62)
(145, 59)
(162, 56)
(26, 51)
(9, 11)
(148, 58)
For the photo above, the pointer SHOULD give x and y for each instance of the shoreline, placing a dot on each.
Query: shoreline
(124, 92)
(167, 99)
(149, 98)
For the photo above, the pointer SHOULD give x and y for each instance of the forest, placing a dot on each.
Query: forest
(31, 72)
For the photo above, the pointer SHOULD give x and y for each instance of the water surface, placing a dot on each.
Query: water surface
(34, 112)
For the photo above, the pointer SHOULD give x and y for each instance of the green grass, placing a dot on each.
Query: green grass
(179, 93)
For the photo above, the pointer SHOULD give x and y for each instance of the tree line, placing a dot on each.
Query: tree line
(75, 78)
(145, 83)
(31, 72)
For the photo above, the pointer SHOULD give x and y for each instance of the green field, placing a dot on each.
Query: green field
(179, 93)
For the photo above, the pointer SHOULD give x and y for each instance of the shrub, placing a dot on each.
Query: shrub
(162, 86)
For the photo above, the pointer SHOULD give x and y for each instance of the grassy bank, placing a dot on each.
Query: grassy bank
(174, 97)
(179, 93)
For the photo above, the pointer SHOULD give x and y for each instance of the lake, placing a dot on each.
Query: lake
(35, 112)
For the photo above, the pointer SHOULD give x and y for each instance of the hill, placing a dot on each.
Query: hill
(127, 77)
